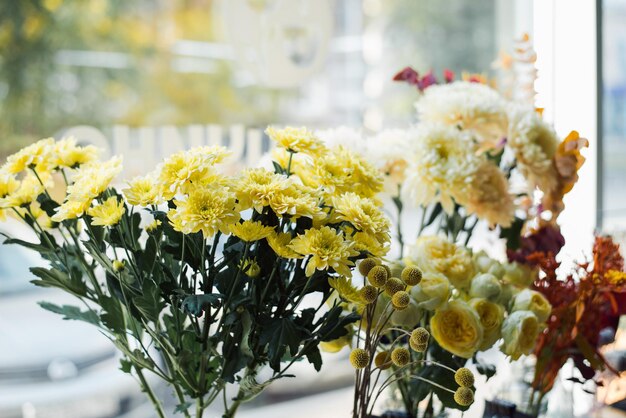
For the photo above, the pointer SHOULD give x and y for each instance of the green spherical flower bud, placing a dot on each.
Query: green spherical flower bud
(420, 348)
(393, 286)
(369, 294)
(420, 335)
(359, 358)
(400, 356)
(411, 275)
(400, 300)
(366, 265)
(377, 276)
(464, 377)
(464, 396)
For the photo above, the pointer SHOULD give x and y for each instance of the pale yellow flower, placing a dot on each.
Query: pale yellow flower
(519, 331)
(436, 254)
(456, 327)
(441, 167)
(488, 196)
(70, 210)
(296, 140)
(279, 242)
(491, 317)
(362, 213)
(327, 248)
(531, 300)
(8, 184)
(296, 201)
(204, 210)
(142, 191)
(371, 244)
(67, 154)
(92, 179)
(37, 156)
(153, 226)
(251, 231)
(432, 292)
(535, 144)
(29, 189)
(108, 213)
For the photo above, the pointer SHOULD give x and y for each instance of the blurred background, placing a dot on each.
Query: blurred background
(147, 77)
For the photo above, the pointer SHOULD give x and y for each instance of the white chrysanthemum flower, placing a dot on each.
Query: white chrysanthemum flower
(489, 197)
(469, 106)
(388, 151)
(441, 166)
(534, 143)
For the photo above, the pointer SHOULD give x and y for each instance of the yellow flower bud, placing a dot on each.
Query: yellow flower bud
(464, 377)
(432, 292)
(377, 276)
(359, 358)
(394, 285)
(486, 286)
(464, 396)
(118, 265)
(420, 335)
(411, 275)
(366, 265)
(519, 331)
(400, 356)
(400, 300)
(369, 294)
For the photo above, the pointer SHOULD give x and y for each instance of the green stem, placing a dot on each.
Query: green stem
(146, 387)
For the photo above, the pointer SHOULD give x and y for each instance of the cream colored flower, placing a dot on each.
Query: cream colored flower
(92, 179)
(296, 140)
(67, 154)
(389, 151)
(441, 167)
(142, 191)
(432, 292)
(438, 255)
(533, 301)
(534, 143)
(486, 286)
(488, 196)
(37, 156)
(469, 106)
(491, 317)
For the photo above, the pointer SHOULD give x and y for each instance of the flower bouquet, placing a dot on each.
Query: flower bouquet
(197, 277)
(474, 158)
(586, 303)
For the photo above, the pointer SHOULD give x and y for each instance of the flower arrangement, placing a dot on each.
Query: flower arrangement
(195, 276)
(383, 343)
(465, 302)
(585, 302)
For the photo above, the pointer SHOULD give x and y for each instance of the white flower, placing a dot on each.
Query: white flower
(469, 106)
(441, 166)
(347, 137)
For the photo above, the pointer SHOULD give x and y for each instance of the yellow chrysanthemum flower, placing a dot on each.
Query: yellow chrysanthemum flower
(257, 187)
(194, 166)
(108, 213)
(67, 154)
(280, 244)
(345, 289)
(296, 201)
(29, 188)
(37, 156)
(204, 210)
(142, 191)
(362, 213)
(250, 267)
(488, 196)
(92, 179)
(327, 249)
(371, 244)
(250, 231)
(153, 226)
(70, 210)
(296, 140)
(8, 184)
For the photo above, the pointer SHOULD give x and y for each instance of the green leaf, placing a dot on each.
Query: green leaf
(126, 366)
(434, 214)
(183, 407)
(56, 278)
(149, 303)
(335, 325)
(47, 204)
(72, 313)
(278, 335)
(196, 304)
(30, 245)
(314, 357)
(113, 315)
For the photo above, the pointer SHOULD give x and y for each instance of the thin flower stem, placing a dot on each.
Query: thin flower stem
(150, 393)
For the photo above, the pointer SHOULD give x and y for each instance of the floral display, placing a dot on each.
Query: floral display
(585, 302)
(195, 276)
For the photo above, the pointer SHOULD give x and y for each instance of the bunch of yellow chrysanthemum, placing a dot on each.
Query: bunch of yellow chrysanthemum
(211, 267)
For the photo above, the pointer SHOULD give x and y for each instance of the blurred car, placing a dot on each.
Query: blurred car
(50, 368)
